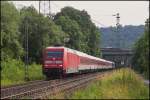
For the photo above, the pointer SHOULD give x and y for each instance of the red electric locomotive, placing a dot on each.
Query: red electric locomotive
(59, 61)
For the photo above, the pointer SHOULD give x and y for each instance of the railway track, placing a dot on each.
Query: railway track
(44, 89)
(8, 91)
(21, 84)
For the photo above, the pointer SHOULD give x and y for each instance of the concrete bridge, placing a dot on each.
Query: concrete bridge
(121, 57)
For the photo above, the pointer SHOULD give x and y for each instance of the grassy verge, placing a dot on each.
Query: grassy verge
(12, 72)
(121, 84)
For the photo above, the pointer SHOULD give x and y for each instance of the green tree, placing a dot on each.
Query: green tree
(10, 46)
(94, 41)
(141, 54)
(42, 32)
(78, 22)
(72, 29)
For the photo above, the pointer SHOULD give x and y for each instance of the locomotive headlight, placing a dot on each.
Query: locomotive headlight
(60, 65)
(58, 62)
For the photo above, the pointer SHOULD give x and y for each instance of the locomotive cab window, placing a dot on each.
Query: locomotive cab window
(56, 54)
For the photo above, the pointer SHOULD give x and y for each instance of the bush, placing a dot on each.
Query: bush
(35, 72)
(13, 72)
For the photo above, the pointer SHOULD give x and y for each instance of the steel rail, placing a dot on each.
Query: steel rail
(52, 87)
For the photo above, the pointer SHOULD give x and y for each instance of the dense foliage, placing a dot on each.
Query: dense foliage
(13, 72)
(73, 29)
(128, 34)
(10, 45)
(141, 55)
(42, 32)
(82, 33)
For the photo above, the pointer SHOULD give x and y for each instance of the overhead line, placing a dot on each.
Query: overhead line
(99, 23)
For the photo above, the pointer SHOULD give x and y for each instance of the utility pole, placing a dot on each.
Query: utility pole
(45, 8)
(49, 9)
(38, 28)
(39, 6)
(26, 49)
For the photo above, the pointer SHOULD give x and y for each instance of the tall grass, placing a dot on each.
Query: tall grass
(121, 84)
(13, 72)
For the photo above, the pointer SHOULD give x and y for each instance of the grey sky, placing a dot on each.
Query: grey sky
(131, 12)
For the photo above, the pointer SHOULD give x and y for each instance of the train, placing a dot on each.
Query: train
(62, 61)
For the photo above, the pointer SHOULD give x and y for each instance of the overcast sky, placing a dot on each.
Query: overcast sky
(131, 12)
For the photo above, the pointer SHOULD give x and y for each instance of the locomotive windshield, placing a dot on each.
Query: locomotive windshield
(56, 54)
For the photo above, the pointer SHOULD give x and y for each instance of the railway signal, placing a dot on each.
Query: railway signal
(118, 44)
(117, 19)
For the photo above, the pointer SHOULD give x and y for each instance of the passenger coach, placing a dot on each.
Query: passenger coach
(58, 61)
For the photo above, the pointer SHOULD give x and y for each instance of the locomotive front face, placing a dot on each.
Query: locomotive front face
(53, 61)
(53, 58)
